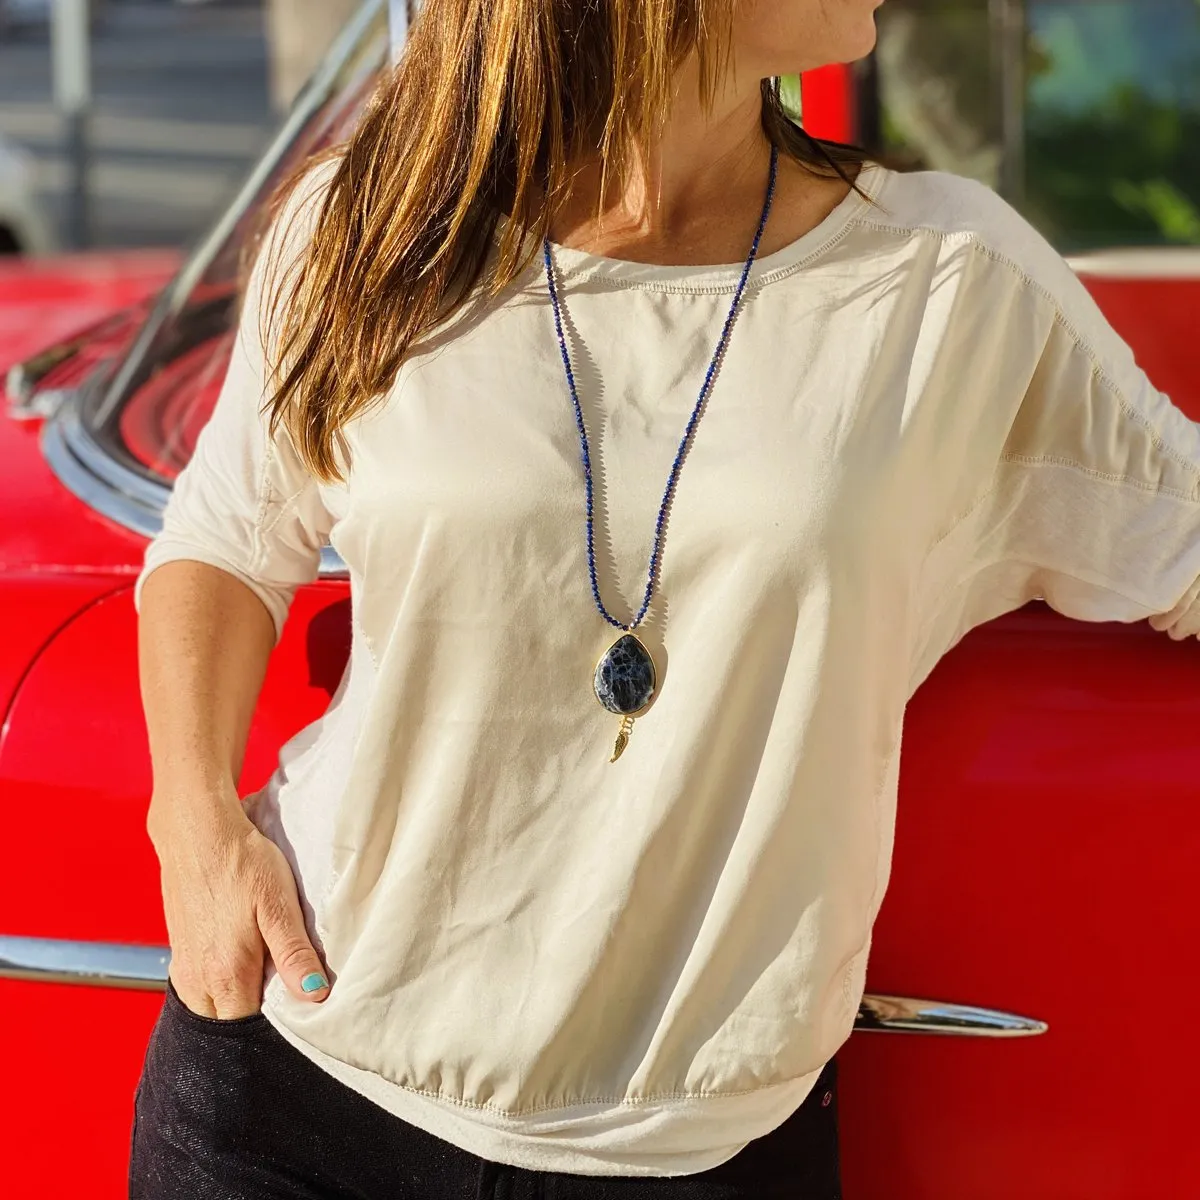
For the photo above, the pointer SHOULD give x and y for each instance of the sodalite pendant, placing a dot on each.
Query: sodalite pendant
(624, 683)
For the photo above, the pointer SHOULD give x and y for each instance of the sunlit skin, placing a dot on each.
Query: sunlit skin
(698, 190)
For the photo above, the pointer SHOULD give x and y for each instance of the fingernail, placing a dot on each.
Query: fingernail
(314, 982)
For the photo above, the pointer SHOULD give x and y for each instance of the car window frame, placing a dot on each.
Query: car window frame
(76, 438)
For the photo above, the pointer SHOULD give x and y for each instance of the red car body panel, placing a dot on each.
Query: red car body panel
(33, 615)
(829, 98)
(46, 530)
(1046, 849)
(1160, 319)
(74, 781)
(42, 300)
(103, 783)
(1045, 861)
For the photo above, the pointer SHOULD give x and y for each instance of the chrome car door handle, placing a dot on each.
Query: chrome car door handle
(98, 964)
(901, 1014)
(111, 964)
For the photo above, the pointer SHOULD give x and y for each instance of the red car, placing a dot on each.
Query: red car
(1049, 834)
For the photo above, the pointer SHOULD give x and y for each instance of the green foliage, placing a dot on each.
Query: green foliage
(789, 93)
(1113, 123)
(1176, 216)
(1125, 171)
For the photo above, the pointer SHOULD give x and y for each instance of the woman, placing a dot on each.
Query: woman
(575, 274)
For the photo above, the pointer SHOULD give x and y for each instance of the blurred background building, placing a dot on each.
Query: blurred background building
(1084, 113)
(298, 32)
(185, 95)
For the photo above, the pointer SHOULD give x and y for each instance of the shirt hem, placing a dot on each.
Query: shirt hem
(654, 1137)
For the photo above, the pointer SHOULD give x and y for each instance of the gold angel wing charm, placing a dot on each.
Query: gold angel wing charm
(622, 738)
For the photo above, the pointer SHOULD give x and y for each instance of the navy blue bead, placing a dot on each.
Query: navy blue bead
(624, 679)
(685, 441)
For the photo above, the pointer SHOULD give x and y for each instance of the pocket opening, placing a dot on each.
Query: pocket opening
(248, 1023)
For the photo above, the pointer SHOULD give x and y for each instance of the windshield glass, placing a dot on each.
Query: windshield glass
(161, 395)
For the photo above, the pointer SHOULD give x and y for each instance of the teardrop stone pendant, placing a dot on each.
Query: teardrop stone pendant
(624, 683)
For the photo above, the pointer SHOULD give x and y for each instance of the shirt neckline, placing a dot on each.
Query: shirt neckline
(578, 265)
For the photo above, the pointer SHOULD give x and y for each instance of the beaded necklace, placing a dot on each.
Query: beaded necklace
(625, 679)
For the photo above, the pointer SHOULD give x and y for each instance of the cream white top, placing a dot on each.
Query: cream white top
(553, 961)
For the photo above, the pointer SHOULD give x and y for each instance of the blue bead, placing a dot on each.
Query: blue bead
(624, 679)
(676, 466)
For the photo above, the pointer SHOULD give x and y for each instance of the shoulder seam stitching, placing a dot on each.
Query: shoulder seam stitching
(1098, 369)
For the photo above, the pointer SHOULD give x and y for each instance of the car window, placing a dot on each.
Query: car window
(1084, 113)
(164, 391)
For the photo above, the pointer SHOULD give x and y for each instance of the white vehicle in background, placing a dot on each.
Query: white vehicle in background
(23, 226)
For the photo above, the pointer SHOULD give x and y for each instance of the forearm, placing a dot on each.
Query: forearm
(204, 639)
(229, 897)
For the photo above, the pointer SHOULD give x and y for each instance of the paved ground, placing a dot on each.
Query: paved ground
(181, 112)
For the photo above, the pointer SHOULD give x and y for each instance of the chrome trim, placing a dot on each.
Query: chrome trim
(96, 964)
(114, 490)
(38, 404)
(312, 96)
(108, 964)
(25, 401)
(1140, 262)
(87, 470)
(901, 1014)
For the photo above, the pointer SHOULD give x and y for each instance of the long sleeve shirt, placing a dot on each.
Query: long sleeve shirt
(921, 421)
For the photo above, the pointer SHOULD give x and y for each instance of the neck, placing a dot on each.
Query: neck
(704, 170)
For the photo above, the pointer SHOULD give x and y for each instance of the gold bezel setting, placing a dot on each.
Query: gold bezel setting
(653, 671)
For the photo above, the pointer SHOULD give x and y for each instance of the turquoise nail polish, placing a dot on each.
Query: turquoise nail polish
(314, 982)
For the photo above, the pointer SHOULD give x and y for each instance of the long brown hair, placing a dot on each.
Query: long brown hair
(492, 104)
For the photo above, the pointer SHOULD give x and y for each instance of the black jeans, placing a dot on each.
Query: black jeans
(230, 1110)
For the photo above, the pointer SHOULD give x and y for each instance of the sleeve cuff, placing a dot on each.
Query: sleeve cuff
(276, 599)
